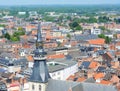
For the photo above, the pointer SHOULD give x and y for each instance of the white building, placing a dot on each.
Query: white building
(110, 35)
(21, 13)
(59, 70)
(95, 31)
(62, 70)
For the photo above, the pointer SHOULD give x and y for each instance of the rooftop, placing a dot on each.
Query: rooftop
(57, 64)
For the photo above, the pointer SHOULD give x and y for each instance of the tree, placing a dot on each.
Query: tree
(7, 35)
(49, 18)
(92, 20)
(75, 26)
(60, 19)
(103, 19)
(69, 18)
(69, 36)
(2, 25)
(15, 38)
(117, 20)
(107, 39)
(102, 27)
(20, 29)
(78, 28)
(101, 36)
(16, 35)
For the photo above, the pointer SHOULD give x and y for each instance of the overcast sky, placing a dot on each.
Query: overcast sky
(34, 2)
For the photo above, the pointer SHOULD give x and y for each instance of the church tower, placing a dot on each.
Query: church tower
(40, 75)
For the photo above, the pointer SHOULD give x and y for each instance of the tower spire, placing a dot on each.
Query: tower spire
(39, 37)
(40, 71)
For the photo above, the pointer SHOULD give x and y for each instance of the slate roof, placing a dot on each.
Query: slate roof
(60, 65)
(58, 85)
(85, 37)
(90, 80)
(101, 69)
(5, 62)
(78, 54)
(85, 64)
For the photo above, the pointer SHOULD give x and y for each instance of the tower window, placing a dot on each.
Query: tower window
(39, 87)
(33, 87)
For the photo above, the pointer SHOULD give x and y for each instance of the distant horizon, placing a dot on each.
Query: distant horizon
(60, 4)
(56, 2)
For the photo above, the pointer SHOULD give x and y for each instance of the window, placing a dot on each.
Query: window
(33, 87)
(39, 87)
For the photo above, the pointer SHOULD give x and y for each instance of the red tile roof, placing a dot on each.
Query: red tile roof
(99, 75)
(99, 41)
(93, 64)
(71, 77)
(55, 56)
(81, 79)
(105, 82)
(30, 58)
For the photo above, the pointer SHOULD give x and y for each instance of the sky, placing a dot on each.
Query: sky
(38, 2)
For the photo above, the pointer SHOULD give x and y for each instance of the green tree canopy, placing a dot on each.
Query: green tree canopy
(75, 26)
(68, 35)
(20, 29)
(102, 27)
(7, 35)
(92, 20)
(107, 39)
(15, 38)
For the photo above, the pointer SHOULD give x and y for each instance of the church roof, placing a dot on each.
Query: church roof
(58, 85)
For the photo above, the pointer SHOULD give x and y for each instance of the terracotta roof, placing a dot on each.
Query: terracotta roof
(105, 82)
(81, 79)
(34, 32)
(108, 53)
(93, 64)
(30, 58)
(99, 75)
(115, 79)
(25, 45)
(55, 56)
(30, 26)
(71, 77)
(112, 47)
(97, 41)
